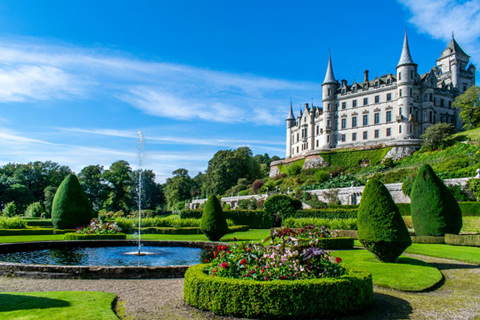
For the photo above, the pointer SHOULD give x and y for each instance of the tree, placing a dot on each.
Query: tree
(49, 194)
(469, 105)
(119, 181)
(178, 188)
(434, 209)
(34, 210)
(10, 209)
(71, 207)
(381, 228)
(280, 207)
(436, 136)
(213, 223)
(152, 192)
(92, 182)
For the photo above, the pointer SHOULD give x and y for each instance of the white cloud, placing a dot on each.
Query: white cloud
(30, 71)
(439, 18)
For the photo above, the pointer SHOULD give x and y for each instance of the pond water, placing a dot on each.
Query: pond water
(109, 256)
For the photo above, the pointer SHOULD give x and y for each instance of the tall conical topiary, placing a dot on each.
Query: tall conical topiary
(434, 208)
(381, 228)
(213, 223)
(71, 207)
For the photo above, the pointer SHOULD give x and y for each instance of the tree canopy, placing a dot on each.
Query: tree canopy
(469, 105)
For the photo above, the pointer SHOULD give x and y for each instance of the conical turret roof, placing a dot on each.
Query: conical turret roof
(455, 48)
(290, 115)
(406, 57)
(329, 77)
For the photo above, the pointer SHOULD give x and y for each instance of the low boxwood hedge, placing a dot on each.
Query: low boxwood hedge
(33, 231)
(304, 299)
(428, 239)
(471, 240)
(255, 219)
(40, 223)
(329, 213)
(79, 236)
(187, 230)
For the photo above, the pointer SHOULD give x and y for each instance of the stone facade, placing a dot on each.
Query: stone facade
(392, 109)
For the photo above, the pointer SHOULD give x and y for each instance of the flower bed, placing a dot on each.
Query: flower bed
(317, 237)
(320, 297)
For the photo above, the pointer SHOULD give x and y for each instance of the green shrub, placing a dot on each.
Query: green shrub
(71, 207)
(328, 213)
(381, 228)
(471, 240)
(321, 176)
(428, 239)
(434, 209)
(352, 158)
(40, 223)
(294, 168)
(281, 206)
(404, 209)
(32, 231)
(278, 299)
(461, 194)
(213, 223)
(77, 236)
(12, 223)
(34, 210)
(343, 224)
(474, 186)
(255, 219)
(125, 223)
(10, 209)
(470, 208)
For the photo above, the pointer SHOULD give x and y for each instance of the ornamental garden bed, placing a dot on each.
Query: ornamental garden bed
(318, 237)
(320, 297)
(79, 236)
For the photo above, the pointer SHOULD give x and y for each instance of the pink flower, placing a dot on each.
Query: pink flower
(224, 265)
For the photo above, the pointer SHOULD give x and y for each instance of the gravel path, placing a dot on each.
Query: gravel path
(457, 298)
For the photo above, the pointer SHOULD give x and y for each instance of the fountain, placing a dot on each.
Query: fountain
(140, 162)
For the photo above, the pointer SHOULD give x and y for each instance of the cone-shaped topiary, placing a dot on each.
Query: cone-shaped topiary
(381, 228)
(434, 209)
(71, 207)
(213, 223)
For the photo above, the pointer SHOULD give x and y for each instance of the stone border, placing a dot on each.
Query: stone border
(93, 272)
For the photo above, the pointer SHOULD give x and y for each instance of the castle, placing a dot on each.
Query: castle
(391, 110)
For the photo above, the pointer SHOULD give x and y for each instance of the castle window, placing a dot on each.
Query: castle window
(389, 132)
(298, 150)
(376, 118)
(399, 76)
(328, 107)
(411, 74)
(344, 105)
(449, 104)
(431, 96)
(354, 136)
(328, 138)
(411, 92)
(441, 119)
(317, 143)
(425, 97)
(389, 116)
(399, 129)
(354, 122)
(298, 137)
(376, 134)
(400, 111)
(354, 103)
(365, 120)
(400, 92)
(441, 103)
(411, 129)
(354, 88)
(377, 99)
(365, 135)
(343, 91)
(318, 129)
(425, 116)
(329, 92)
(376, 84)
(389, 96)
(336, 106)
(389, 81)
(344, 123)
(343, 138)
(329, 123)
(431, 116)
(365, 101)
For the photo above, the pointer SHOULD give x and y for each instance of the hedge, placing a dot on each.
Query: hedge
(33, 231)
(187, 230)
(329, 213)
(404, 209)
(471, 240)
(311, 298)
(468, 208)
(345, 224)
(255, 219)
(352, 158)
(79, 236)
(428, 239)
(40, 223)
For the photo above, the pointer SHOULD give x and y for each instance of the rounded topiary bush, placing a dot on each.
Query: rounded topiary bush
(381, 228)
(278, 299)
(213, 223)
(281, 207)
(71, 207)
(435, 211)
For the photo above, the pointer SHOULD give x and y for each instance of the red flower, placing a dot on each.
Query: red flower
(206, 260)
(219, 248)
(251, 272)
(243, 261)
(224, 265)
(338, 260)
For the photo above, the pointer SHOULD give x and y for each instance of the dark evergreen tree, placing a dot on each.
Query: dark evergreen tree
(434, 208)
(381, 228)
(213, 223)
(71, 207)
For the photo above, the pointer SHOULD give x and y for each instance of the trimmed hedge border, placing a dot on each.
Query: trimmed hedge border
(79, 236)
(471, 240)
(40, 223)
(468, 208)
(311, 298)
(33, 231)
(186, 230)
(428, 239)
(255, 219)
(329, 213)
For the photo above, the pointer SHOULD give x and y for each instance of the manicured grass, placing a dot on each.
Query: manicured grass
(46, 237)
(406, 275)
(460, 253)
(57, 305)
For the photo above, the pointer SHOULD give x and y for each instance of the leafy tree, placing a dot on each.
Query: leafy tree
(381, 228)
(199, 182)
(34, 210)
(10, 209)
(20, 194)
(434, 209)
(49, 194)
(213, 223)
(152, 192)
(92, 182)
(436, 136)
(178, 188)
(280, 207)
(469, 105)
(71, 207)
(120, 183)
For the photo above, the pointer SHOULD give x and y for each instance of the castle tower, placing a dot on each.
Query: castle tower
(406, 77)
(290, 123)
(329, 88)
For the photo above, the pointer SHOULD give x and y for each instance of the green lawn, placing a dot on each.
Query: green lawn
(46, 237)
(406, 275)
(460, 253)
(57, 305)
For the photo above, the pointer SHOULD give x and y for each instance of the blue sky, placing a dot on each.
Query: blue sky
(78, 79)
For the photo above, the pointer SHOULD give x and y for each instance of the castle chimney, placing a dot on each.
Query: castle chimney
(366, 76)
(344, 83)
(306, 105)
